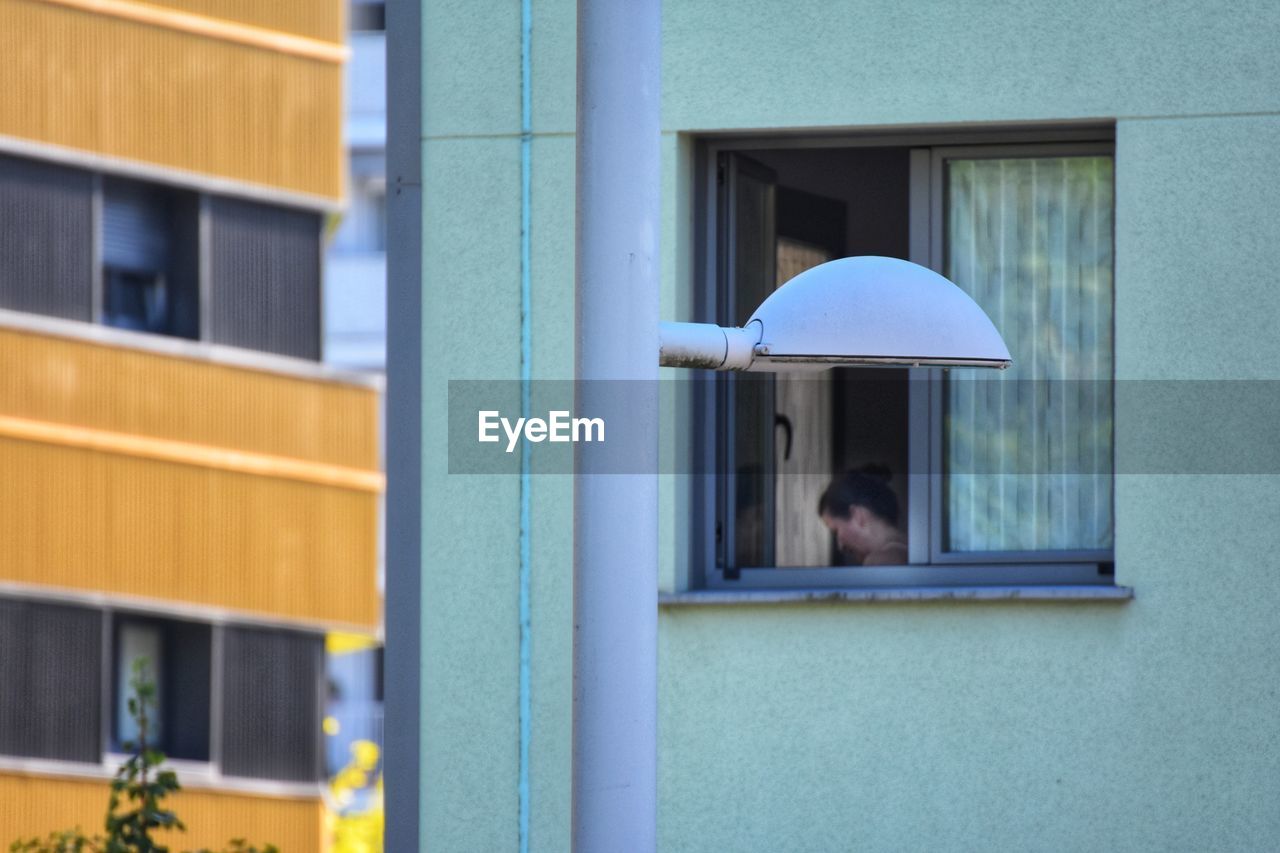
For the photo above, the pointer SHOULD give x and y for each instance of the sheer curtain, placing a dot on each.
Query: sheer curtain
(1028, 451)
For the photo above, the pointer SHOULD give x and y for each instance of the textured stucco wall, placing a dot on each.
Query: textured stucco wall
(1017, 726)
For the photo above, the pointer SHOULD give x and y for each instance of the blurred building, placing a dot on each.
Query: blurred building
(355, 337)
(184, 480)
(356, 262)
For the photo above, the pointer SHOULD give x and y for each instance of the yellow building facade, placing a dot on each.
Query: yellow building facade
(184, 481)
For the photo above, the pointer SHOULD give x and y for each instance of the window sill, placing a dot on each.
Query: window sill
(719, 598)
(184, 348)
(192, 775)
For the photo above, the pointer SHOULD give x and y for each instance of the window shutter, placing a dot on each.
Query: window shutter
(134, 228)
(46, 265)
(272, 682)
(266, 277)
(51, 671)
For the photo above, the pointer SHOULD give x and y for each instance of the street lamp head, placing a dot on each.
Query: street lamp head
(873, 311)
(852, 311)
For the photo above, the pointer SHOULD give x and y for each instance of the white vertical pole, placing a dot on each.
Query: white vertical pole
(615, 515)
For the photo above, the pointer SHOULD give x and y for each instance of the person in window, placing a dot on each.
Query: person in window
(862, 511)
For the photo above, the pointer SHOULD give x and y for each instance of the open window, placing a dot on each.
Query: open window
(256, 714)
(176, 658)
(150, 258)
(992, 478)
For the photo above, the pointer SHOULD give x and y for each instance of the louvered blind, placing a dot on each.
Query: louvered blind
(134, 227)
(51, 672)
(272, 682)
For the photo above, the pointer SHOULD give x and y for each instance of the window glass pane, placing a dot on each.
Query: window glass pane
(139, 642)
(177, 655)
(750, 398)
(787, 437)
(150, 258)
(188, 689)
(752, 474)
(1028, 451)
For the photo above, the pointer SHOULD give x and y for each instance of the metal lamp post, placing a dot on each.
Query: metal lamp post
(853, 311)
(615, 530)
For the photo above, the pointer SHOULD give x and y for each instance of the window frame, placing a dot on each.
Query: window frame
(930, 566)
(117, 679)
(114, 619)
(180, 255)
(111, 616)
(204, 221)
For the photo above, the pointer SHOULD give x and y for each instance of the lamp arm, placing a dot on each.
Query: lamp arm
(707, 345)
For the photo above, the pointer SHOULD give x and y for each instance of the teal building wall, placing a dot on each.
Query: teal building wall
(1145, 725)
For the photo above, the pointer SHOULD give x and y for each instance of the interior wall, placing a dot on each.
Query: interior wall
(872, 182)
(869, 417)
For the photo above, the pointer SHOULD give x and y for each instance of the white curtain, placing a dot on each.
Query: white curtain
(805, 400)
(1027, 452)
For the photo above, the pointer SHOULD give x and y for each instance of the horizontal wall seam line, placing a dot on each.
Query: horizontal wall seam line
(668, 132)
(196, 352)
(170, 175)
(1267, 114)
(213, 614)
(517, 136)
(213, 28)
(181, 452)
(80, 771)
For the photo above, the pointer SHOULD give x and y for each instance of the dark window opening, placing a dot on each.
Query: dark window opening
(176, 658)
(790, 433)
(150, 259)
(368, 16)
(135, 300)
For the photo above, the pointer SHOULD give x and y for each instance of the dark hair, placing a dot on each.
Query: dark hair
(868, 487)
